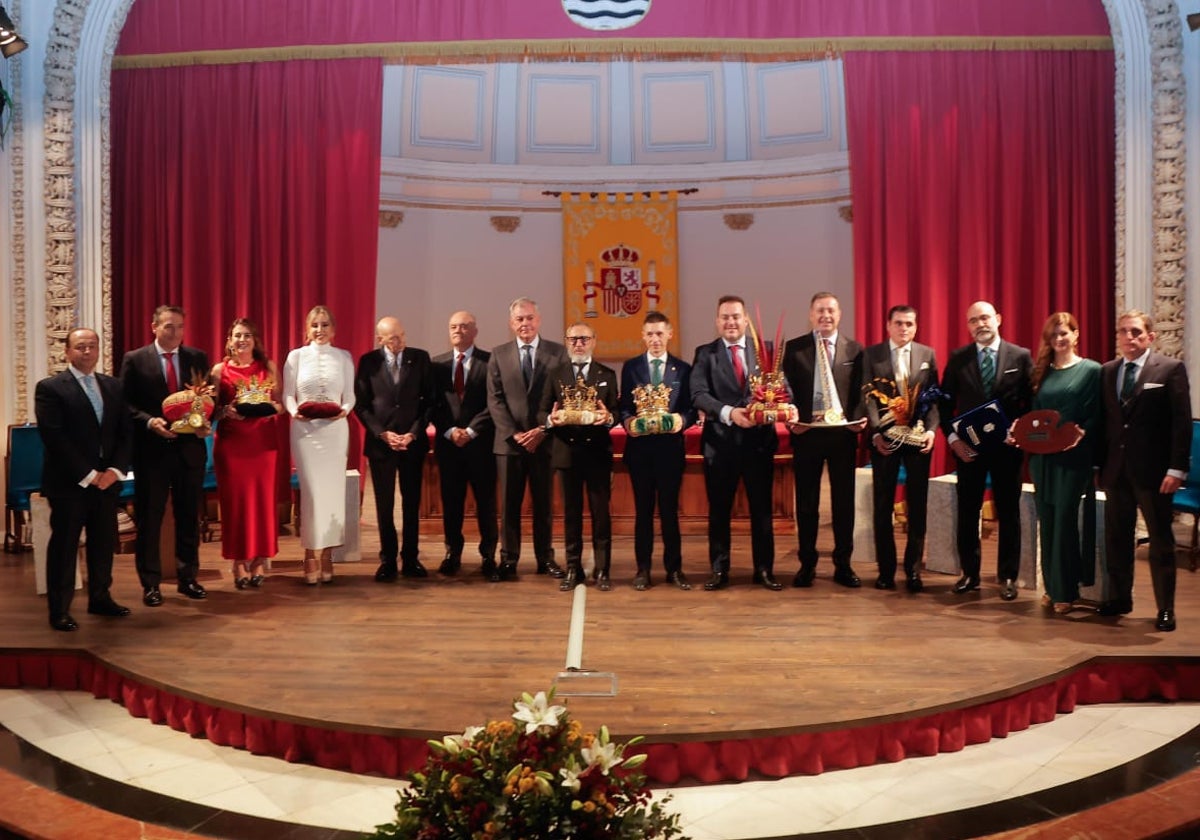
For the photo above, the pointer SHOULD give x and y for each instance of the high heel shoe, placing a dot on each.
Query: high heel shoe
(312, 574)
(326, 568)
(240, 578)
(242, 582)
(256, 574)
(1062, 608)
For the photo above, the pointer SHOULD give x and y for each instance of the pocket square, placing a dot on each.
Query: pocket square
(924, 366)
(1011, 370)
(598, 384)
(1150, 385)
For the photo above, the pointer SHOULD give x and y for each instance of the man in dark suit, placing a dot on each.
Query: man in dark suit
(656, 461)
(393, 398)
(582, 453)
(88, 436)
(1148, 426)
(824, 372)
(912, 368)
(987, 369)
(517, 374)
(165, 462)
(734, 448)
(463, 444)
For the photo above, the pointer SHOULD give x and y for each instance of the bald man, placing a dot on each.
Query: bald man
(394, 397)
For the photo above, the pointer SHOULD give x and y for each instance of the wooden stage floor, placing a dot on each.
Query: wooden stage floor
(425, 658)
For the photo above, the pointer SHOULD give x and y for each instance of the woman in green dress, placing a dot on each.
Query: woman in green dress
(1069, 384)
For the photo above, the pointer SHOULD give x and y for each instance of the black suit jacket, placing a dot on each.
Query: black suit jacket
(1152, 431)
(403, 407)
(74, 441)
(800, 368)
(714, 386)
(574, 443)
(922, 372)
(469, 412)
(145, 388)
(964, 388)
(677, 374)
(514, 407)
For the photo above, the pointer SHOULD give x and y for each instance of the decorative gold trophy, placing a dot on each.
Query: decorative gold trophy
(253, 397)
(579, 405)
(654, 415)
(190, 411)
(900, 402)
(768, 388)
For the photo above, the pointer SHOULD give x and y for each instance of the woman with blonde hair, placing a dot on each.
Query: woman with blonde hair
(318, 392)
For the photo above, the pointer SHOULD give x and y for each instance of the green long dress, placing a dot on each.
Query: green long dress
(1061, 479)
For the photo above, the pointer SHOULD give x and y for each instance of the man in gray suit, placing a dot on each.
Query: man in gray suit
(1148, 430)
(913, 369)
(517, 375)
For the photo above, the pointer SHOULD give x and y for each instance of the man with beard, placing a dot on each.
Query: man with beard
(984, 370)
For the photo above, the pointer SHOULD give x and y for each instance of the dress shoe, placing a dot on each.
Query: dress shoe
(1008, 590)
(679, 579)
(571, 579)
(1111, 609)
(550, 568)
(386, 573)
(508, 571)
(489, 570)
(913, 582)
(1166, 621)
(641, 581)
(109, 607)
(152, 597)
(64, 623)
(193, 590)
(767, 580)
(847, 578)
(804, 578)
(719, 580)
(887, 583)
(966, 583)
(603, 581)
(450, 565)
(413, 569)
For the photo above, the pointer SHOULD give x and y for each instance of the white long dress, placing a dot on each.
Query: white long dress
(320, 373)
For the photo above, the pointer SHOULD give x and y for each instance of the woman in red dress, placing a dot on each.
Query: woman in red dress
(244, 453)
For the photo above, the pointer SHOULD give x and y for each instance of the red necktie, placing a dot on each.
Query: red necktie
(172, 376)
(460, 384)
(739, 370)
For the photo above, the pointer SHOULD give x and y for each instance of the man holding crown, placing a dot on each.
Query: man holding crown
(656, 406)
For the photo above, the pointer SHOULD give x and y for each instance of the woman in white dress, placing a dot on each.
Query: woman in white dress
(318, 391)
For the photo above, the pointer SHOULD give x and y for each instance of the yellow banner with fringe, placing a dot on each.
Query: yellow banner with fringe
(620, 261)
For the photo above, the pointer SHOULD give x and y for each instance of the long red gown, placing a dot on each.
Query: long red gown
(244, 456)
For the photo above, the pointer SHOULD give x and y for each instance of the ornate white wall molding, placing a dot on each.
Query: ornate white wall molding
(19, 325)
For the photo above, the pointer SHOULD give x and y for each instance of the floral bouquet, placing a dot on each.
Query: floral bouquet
(535, 775)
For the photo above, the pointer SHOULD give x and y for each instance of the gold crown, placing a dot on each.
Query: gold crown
(255, 391)
(620, 256)
(652, 399)
(578, 397)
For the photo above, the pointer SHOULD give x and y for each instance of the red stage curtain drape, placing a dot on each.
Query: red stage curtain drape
(246, 190)
(983, 175)
(165, 26)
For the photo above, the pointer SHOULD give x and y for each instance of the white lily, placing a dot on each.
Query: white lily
(602, 755)
(570, 778)
(536, 712)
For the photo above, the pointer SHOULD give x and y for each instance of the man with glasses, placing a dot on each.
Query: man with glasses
(1148, 425)
(517, 375)
(582, 453)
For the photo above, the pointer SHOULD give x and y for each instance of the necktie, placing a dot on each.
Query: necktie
(902, 366)
(172, 376)
(987, 370)
(527, 363)
(828, 342)
(739, 369)
(460, 380)
(1127, 385)
(656, 371)
(394, 369)
(93, 395)
(579, 366)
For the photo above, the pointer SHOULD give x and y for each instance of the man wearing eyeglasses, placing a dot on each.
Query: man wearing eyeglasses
(1148, 425)
(582, 452)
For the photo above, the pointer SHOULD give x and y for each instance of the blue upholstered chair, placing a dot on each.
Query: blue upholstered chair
(23, 477)
(1187, 498)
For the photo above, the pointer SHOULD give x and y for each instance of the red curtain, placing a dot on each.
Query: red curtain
(246, 190)
(983, 175)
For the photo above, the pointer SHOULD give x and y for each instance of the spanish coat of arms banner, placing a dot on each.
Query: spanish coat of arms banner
(620, 261)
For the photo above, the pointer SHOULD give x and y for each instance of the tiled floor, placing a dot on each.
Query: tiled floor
(93, 750)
